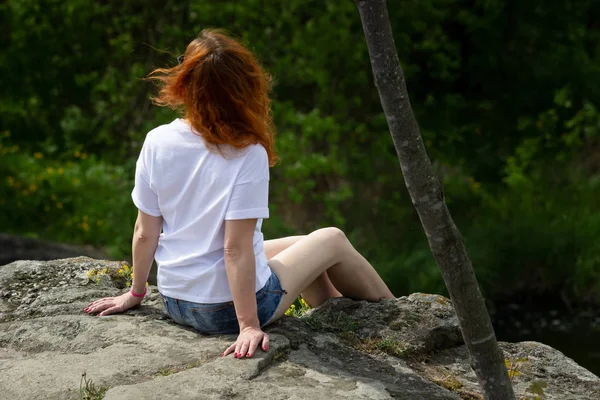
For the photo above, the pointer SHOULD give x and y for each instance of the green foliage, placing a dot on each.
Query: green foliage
(76, 199)
(506, 95)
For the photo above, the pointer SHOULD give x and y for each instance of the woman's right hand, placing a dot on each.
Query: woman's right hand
(247, 341)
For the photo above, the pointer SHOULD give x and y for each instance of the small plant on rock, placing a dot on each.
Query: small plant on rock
(122, 277)
(299, 310)
(89, 391)
(514, 366)
(535, 391)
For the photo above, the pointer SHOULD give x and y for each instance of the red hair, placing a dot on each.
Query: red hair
(223, 91)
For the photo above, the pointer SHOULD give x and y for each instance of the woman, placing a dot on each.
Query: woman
(203, 181)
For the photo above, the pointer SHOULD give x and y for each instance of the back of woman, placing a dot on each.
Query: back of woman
(195, 190)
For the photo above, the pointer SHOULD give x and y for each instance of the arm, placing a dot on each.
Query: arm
(145, 240)
(240, 266)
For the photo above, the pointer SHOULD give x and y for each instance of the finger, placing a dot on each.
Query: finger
(101, 300)
(252, 347)
(99, 303)
(265, 342)
(238, 349)
(244, 348)
(100, 307)
(111, 310)
(229, 350)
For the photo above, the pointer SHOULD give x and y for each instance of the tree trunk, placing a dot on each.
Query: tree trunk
(427, 197)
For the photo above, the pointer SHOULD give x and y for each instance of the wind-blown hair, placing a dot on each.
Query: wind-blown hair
(223, 91)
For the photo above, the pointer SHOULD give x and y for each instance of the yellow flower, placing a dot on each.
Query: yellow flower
(75, 181)
(6, 133)
(105, 271)
(50, 170)
(14, 149)
(33, 187)
(85, 226)
(60, 171)
(59, 205)
(38, 155)
(83, 156)
(76, 154)
(25, 192)
(99, 222)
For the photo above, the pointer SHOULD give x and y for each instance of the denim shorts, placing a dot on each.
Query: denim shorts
(220, 318)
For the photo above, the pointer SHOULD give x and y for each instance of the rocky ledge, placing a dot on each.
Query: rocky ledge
(408, 348)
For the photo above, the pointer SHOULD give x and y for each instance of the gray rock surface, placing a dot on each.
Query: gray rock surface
(408, 348)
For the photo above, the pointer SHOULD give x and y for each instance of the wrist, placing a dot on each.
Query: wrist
(138, 287)
(252, 323)
(137, 294)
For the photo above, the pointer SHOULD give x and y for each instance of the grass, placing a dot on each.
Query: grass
(393, 347)
(89, 391)
(387, 345)
(281, 355)
(449, 382)
(331, 321)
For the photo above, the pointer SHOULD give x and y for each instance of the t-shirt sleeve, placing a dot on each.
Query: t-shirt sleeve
(250, 194)
(144, 198)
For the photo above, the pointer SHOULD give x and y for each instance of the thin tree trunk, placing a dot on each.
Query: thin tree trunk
(427, 196)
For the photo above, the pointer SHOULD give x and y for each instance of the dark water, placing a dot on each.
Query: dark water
(576, 333)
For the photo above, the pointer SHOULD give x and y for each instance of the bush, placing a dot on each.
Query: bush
(75, 198)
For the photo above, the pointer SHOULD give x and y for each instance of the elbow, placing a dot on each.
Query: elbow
(232, 252)
(141, 237)
(235, 251)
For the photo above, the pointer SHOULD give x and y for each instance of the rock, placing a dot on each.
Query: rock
(407, 348)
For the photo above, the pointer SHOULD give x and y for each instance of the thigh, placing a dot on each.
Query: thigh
(299, 265)
(276, 246)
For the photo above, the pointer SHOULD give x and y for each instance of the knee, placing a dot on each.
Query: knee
(332, 235)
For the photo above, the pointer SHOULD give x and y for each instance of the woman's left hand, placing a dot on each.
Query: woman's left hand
(111, 305)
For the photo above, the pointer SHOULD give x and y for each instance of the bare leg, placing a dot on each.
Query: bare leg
(317, 292)
(329, 250)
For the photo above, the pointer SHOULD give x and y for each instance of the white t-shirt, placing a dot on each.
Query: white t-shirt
(196, 190)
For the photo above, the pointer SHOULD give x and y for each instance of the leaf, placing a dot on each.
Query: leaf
(513, 373)
(537, 387)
